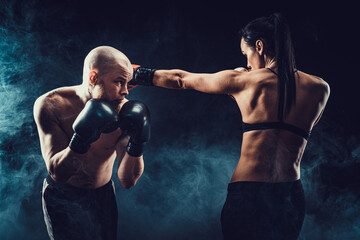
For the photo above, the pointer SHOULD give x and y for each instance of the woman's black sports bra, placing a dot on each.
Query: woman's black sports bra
(276, 125)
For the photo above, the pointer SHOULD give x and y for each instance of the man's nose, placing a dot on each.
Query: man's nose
(124, 90)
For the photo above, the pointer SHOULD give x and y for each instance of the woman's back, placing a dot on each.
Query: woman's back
(273, 155)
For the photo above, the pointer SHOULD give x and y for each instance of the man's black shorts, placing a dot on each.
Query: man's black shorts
(77, 213)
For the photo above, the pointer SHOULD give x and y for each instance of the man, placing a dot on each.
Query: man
(82, 129)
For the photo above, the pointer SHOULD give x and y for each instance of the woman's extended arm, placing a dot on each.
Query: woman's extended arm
(223, 82)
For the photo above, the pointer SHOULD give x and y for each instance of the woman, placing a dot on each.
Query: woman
(279, 106)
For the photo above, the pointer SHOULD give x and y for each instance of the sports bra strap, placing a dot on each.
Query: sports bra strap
(272, 71)
(276, 125)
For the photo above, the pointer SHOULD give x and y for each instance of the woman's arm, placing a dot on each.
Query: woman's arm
(223, 82)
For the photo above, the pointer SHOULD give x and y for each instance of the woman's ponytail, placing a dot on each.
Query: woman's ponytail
(284, 55)
(274, 32)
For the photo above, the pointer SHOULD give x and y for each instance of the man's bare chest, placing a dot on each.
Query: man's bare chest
(106, 142)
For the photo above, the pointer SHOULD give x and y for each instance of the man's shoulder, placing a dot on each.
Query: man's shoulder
(60, 94)
(54, 100)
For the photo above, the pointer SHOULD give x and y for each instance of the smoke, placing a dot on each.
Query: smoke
(196, 137)
(186, 193)
(183, 188)
(330, 176)
(26, 72)
(20, 165)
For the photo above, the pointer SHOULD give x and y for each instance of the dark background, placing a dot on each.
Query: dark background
(196, 137)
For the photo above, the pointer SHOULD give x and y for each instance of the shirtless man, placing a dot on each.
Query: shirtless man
(279, 106)
(82, 130)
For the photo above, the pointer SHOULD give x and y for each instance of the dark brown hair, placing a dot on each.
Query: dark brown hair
(274, 32)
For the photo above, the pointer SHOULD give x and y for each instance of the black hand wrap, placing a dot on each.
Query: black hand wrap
(134, 117)
(135, 149)
(79, 144)
(143, 76)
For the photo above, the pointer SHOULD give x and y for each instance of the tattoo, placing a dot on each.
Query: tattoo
(52, 93)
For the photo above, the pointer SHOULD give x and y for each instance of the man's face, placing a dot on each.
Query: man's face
(254, 60)
(113, 85)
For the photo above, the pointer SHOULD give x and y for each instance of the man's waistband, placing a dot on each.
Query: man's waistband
(68, 187)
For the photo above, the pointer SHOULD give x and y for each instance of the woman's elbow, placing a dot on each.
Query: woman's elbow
(177, 81)
(181, 82)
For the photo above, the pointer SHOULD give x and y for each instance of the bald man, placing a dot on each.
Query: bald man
(82, 129)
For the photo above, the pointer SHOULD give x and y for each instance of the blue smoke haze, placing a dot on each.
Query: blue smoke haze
(196, 138)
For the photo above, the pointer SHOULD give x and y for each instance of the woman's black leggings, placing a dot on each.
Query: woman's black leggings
(261, 210)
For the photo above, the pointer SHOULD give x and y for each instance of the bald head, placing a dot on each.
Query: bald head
(103, 60)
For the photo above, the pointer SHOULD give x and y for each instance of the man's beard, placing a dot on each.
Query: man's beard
(101, 94)
(116, 105)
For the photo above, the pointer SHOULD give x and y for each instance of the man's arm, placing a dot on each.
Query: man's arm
(223, 82)
(134, 121)
(129, 168)
(61, 162)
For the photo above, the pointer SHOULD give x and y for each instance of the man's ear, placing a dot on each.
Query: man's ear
(92, 78)
(259, 46)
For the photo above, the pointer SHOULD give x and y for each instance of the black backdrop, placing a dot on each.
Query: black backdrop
(196, 137)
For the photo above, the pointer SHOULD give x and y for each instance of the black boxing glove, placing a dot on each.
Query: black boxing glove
(142, 76)
(97, 117)
(134, 117)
